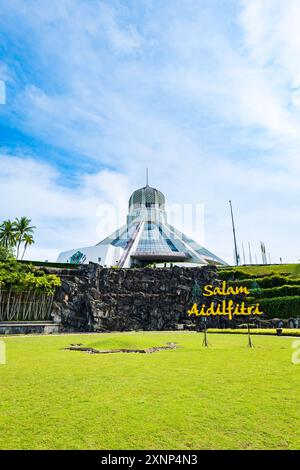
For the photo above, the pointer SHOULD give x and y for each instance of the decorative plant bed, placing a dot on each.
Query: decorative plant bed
(79, 347)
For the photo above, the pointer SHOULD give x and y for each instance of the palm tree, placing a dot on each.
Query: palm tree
(22, 227)
(28, 241)
(8, 234)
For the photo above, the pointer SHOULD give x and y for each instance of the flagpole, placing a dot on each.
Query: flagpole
(234, 236)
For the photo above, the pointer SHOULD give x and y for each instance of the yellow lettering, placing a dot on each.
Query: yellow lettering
(257, 311)
(243, 290)
(193, 310)
(202, 311)
(208, 290)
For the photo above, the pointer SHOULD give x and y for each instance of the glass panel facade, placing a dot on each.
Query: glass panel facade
(124, 237)
(153, 240)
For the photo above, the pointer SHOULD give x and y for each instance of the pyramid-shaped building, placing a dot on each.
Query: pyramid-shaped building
(146, 238)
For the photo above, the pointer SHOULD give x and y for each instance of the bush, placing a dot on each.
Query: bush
(235, 275)
(267, 282)
(257, 331)
(25, 277)
(282, 291)
(6, 253)
(281, 307)
(50, 264)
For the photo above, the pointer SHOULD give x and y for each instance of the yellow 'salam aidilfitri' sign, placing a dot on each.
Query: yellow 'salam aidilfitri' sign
(224, 308)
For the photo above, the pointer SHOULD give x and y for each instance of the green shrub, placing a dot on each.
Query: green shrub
(25, 277)
(6, 253)
(282, 291)
(256, 331)
(50, 264)
(296, 271)
(250, 283)
(238, 274)
(235, 275)
(280, 307)
(267, 282)
(276, 281)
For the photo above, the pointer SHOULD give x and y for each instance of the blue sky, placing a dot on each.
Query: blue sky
(204, 93)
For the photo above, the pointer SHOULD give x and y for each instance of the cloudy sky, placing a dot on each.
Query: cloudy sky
(205, 93)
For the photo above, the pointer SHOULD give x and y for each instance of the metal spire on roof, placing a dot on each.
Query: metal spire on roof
(147, 177)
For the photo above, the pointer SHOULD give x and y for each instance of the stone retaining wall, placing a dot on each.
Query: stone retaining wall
(29, 328)
(93, 298)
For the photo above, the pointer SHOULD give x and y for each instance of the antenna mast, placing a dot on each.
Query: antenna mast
(147, 177)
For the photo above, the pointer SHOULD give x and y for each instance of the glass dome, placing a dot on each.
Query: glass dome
(147, 197)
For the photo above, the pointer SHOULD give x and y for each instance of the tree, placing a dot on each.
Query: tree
(22, 228)
(28, 241)
(8, 234)
(5, 253)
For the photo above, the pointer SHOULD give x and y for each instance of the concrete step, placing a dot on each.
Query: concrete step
(28, 323)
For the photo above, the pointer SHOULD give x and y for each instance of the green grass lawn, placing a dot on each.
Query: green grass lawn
(224, 397)
(291, 269)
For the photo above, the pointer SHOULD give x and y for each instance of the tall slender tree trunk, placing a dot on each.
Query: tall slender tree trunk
(25, 248)
(18, 249)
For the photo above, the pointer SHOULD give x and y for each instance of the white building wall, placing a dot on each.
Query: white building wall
(106, 255)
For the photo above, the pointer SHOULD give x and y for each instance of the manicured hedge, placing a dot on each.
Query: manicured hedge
(277, 294)
(238, 274)
(282, 291)
(256, 331)
(267, 282)
(280, 307)
(50, 264)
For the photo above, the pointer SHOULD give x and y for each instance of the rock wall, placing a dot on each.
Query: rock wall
(93, 298)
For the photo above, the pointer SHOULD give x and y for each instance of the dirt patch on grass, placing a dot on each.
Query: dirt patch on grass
(80, 347)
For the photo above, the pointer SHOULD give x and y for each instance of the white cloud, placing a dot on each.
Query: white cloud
(271, 40)
(65, 217)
